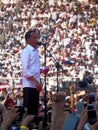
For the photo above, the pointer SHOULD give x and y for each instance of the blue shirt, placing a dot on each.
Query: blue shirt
(30, 66)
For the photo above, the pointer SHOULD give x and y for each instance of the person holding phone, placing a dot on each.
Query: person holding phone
(84, 120)
(31, 72)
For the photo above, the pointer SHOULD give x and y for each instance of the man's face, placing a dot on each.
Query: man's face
(33, 40)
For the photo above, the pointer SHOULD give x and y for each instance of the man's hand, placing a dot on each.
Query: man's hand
(72, 87)
(39, 88)
(9, 116)
(84, 120)
(37, 84)
(27, 120)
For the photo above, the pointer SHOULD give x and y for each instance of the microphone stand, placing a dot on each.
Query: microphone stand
(45, 86)
(58, 66)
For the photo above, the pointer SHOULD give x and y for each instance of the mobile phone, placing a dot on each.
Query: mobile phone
(92, 118)
(82, 93)
(79, 107)
(71, 122)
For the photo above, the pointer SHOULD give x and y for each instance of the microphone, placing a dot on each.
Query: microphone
(40, 43)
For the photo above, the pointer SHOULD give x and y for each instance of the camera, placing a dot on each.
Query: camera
(91, 114)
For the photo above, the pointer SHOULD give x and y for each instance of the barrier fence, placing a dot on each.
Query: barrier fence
(64, 84)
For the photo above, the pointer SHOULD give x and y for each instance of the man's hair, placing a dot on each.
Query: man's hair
(28, 33)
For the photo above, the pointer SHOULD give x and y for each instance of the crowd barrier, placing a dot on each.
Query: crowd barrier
(51, 82)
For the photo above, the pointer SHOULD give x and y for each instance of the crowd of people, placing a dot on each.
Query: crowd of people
(69, 28)
(80, 107)
(69, 32)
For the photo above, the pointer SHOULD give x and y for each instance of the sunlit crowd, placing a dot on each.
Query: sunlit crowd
(69, 28)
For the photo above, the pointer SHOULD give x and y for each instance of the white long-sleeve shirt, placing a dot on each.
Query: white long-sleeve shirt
(30, 66)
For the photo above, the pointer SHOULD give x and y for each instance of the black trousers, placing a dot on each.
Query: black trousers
(31, 100)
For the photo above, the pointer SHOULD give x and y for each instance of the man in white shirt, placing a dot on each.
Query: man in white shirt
(31, 72)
